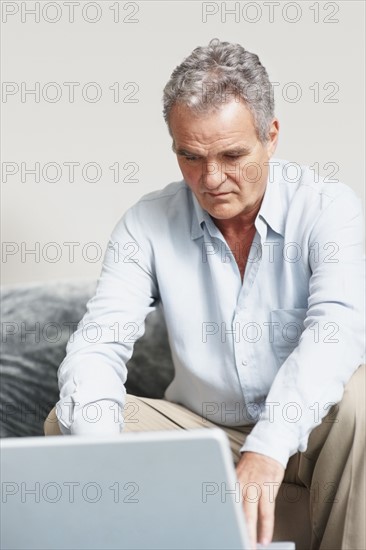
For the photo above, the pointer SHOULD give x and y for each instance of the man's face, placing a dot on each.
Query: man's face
(221, 158)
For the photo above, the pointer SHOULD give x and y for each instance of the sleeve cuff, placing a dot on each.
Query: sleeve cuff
(103, 417)
(271, 440)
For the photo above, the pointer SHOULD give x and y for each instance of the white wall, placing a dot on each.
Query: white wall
(145, 52)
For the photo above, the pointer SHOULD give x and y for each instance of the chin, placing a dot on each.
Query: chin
(222, 213)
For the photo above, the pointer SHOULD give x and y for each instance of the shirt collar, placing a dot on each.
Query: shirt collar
(271, 212)
(199, 216)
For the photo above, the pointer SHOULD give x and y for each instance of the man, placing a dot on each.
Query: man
(260, 274)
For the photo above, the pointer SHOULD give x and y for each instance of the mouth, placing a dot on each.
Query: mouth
(219, 194)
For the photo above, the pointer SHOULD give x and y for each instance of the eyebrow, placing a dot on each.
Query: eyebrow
(231, 151)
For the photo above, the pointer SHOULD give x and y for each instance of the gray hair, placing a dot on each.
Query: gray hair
(215, 74)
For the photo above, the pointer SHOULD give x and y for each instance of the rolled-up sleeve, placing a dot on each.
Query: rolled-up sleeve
(92, 376)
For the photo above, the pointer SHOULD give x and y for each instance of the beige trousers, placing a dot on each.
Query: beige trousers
(331, 472)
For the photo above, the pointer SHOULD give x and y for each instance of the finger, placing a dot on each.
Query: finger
(266, 511)
(250, 506)
(251, 523)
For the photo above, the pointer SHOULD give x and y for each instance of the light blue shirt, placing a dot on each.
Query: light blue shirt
(274, 350)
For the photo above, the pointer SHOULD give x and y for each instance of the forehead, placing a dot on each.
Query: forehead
(230, 123)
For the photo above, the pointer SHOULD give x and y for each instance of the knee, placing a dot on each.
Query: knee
(351, 408)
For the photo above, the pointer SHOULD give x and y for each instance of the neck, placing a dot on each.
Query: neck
(240, 224)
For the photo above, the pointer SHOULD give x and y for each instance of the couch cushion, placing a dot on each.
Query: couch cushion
(37, 321)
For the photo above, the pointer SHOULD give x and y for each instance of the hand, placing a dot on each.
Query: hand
(260, 478)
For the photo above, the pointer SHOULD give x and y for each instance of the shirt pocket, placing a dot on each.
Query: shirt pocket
(287, 327)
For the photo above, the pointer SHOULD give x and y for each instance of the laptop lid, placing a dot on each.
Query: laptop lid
(152, 490)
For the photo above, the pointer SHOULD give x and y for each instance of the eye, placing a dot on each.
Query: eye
(190, 158)
(233, 156)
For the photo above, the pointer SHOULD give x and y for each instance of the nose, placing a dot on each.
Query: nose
(212, 175)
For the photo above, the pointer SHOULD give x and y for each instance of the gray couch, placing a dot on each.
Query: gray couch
(37, 320)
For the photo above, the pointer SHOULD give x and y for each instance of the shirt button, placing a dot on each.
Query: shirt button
(244, 363)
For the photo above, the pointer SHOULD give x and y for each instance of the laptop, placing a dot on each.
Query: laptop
(148, 490)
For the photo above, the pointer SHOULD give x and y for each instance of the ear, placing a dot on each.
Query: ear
(273, 137)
